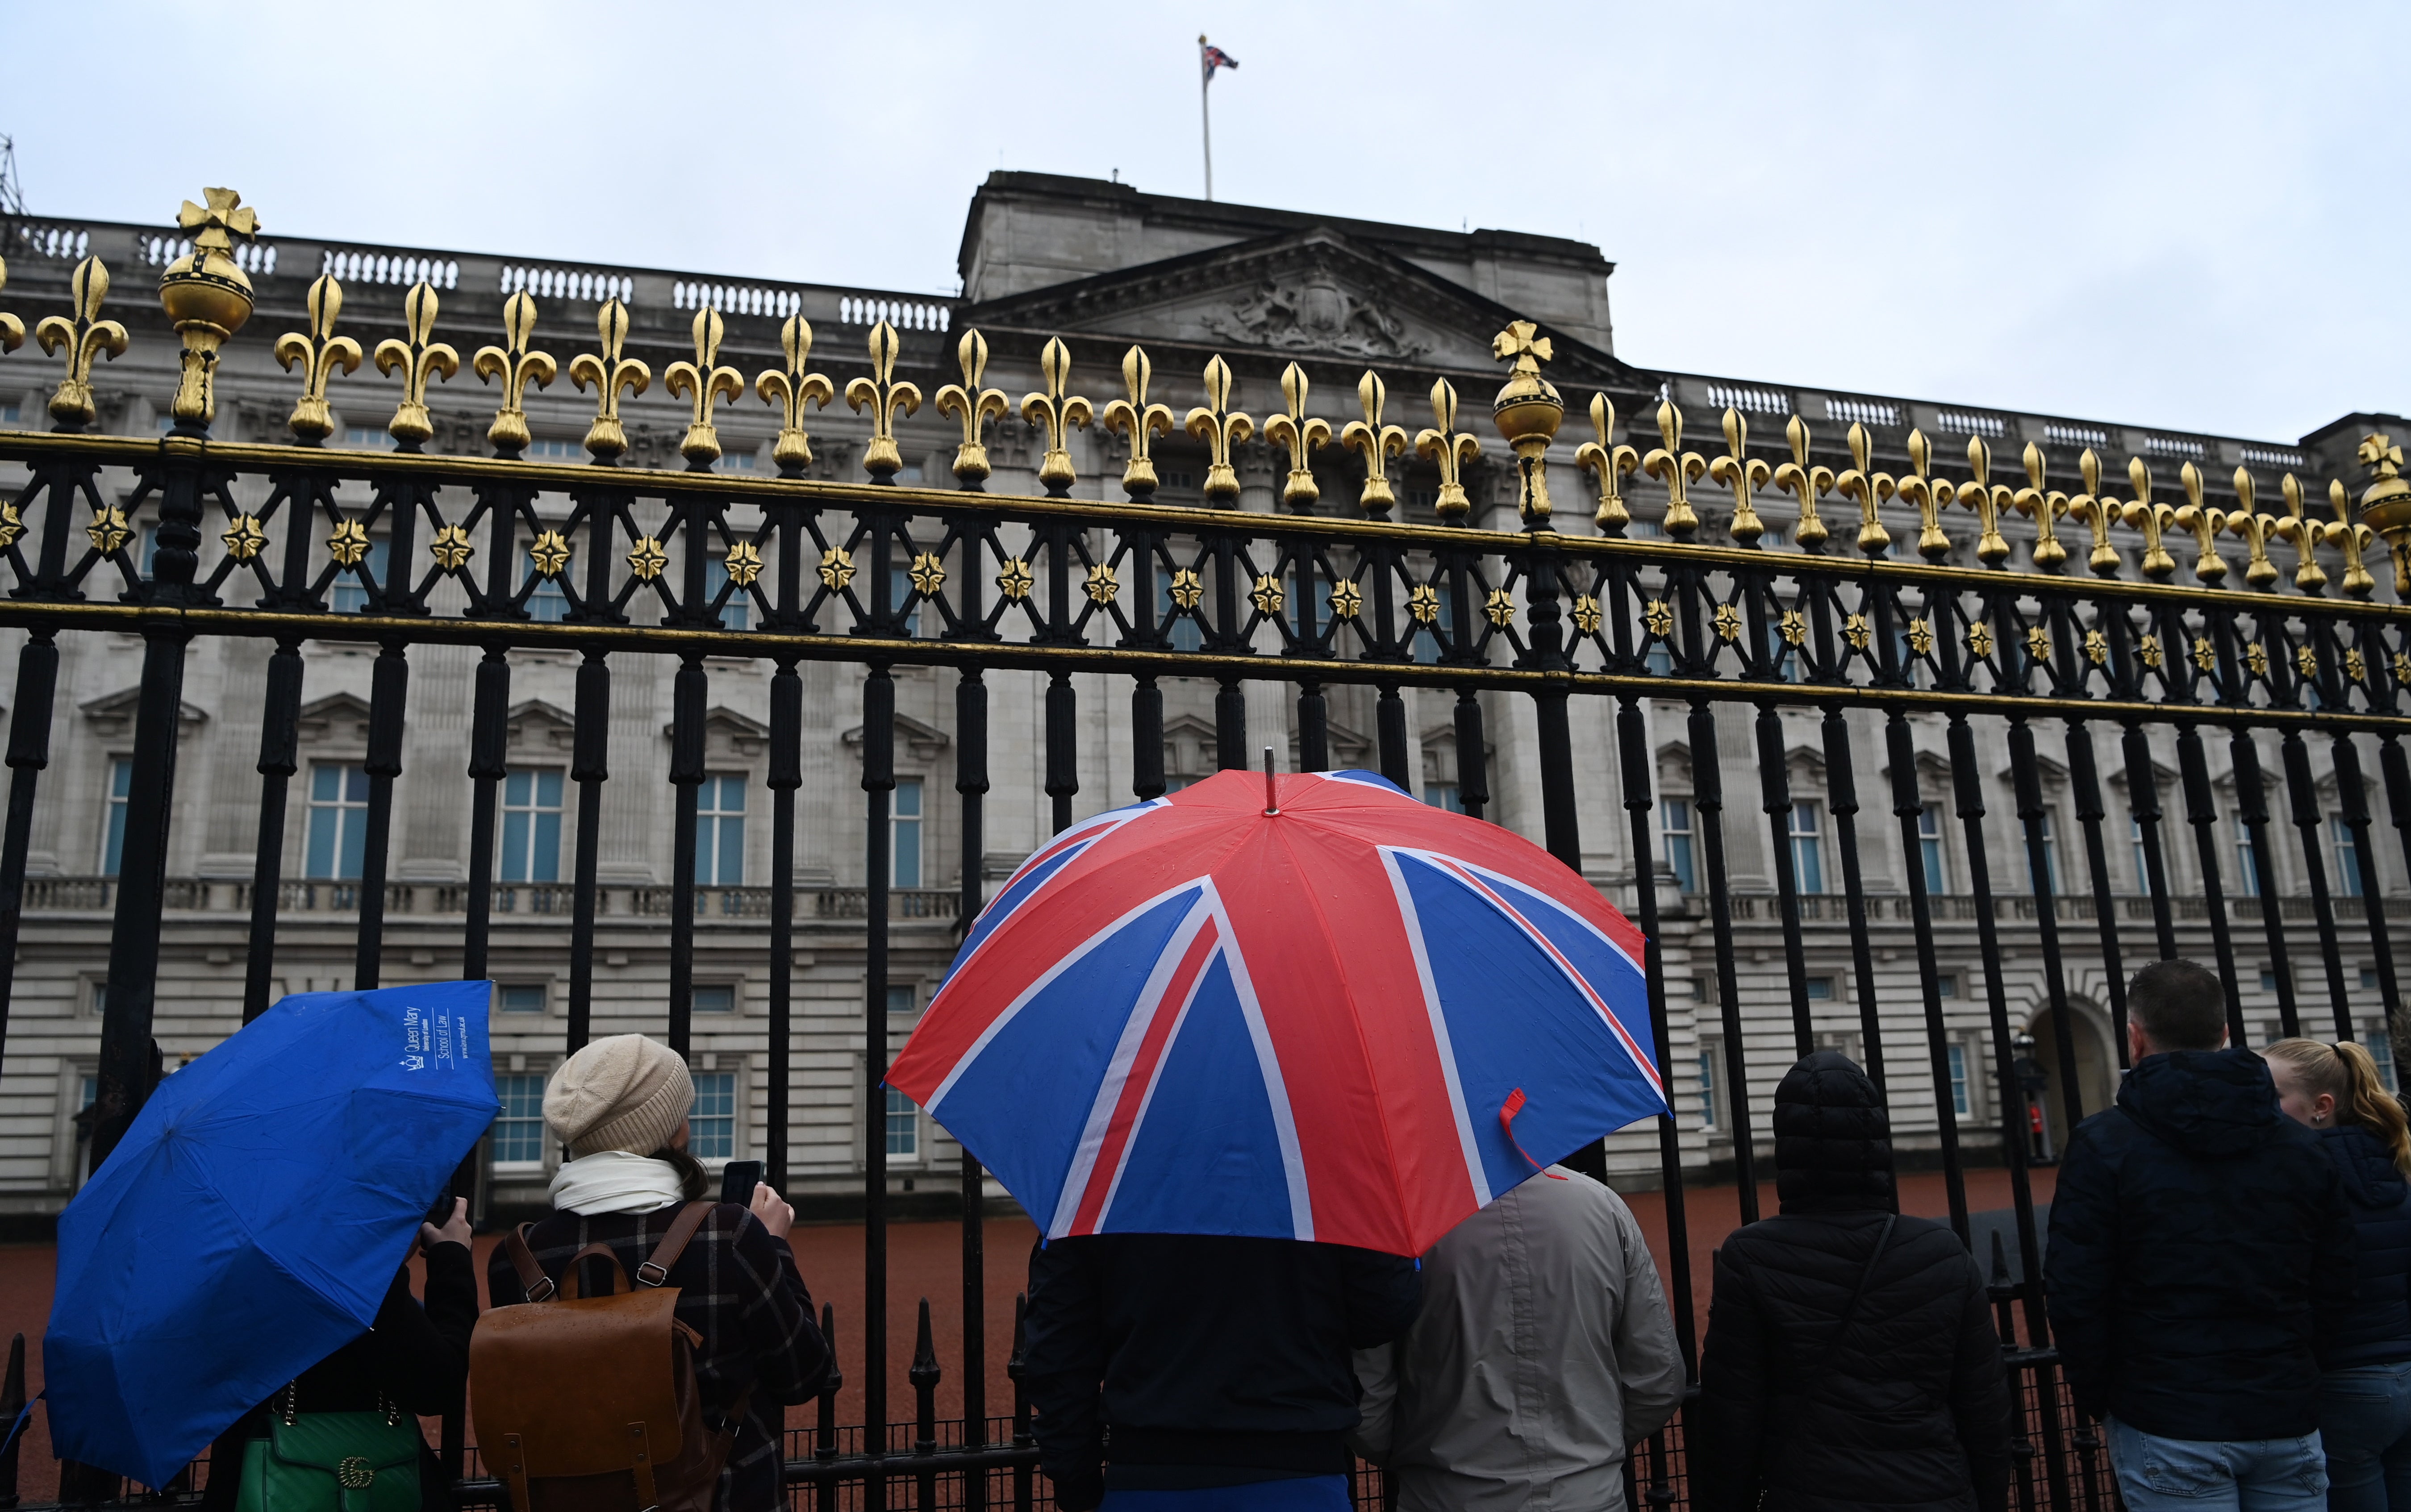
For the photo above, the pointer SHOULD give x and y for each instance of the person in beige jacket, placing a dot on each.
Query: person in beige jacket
(1543, 1349)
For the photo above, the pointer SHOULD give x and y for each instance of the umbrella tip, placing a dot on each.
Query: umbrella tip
(1272, 799)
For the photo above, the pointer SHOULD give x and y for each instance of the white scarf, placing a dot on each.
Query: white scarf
(615, 1181)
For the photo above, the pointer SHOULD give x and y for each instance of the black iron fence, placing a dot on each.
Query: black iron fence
(263, 541)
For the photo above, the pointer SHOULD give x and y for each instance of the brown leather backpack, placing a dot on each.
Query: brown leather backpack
(589, 1404)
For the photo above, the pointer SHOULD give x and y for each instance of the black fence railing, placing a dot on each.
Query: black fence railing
(1924, 678)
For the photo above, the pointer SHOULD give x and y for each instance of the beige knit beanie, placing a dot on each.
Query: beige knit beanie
(623, 1093)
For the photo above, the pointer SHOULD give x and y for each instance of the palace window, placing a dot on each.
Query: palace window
(1808, 848)
(717, 998)
(711, 1128)
(112, 838)
(1444, 795)
(531, 825)
(523, 997)
(1707, 1088)
(1675, 831)
(519, 1127)
(2247, 876)
(2050, 859)
(554, 449)
(2381, 1050)
(2347, 859)
(1929, 849)
(2143, 863)
(904, 834)
(339, 821)
(1958, 1103)
(720, 830)
(903, 1126)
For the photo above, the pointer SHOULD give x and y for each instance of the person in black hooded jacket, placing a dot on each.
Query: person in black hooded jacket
(2365, 1385)
(2200, 1251)
(1900, 1402)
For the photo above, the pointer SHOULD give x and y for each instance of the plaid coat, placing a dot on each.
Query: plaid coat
(737, 1287)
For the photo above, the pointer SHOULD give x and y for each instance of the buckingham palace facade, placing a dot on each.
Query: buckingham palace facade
(1108, 266)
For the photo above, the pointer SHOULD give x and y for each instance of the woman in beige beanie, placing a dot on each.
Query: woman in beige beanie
(621, 1105)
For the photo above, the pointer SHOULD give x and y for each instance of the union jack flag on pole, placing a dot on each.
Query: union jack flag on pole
(1210, 58)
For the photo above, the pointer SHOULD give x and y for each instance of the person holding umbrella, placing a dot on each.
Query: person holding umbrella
(241, 1244)
(1244, 1052)
(412, 1363)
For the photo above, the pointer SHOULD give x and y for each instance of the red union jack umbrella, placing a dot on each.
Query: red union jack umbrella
(1319, 1010)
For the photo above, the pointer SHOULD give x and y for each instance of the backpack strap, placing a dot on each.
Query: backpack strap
(532, 1280)
(656, 1269)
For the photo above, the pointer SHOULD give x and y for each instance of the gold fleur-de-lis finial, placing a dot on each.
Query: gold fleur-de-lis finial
(321, 354)
(2255, 529)
(2353, 538)
(1987, 498)
(1806, 482)
(86, 337)
(2044, 506)
(1677, 469)
(1931, 495)
(1376, 442)
(2306, 534)
(974, 406)
(1449, 450)
(1140, 421)
(1861, 483)
(791, 387)
(1056, 412)
(1527, 411)
(2206, 522)
(207, 297)
(886, 396)
(701, 380)
(420, 357)
(12, 330)
(1610, 464)
(2099, 511)
(1220, 428)
(1744, 474)
(1299, 434)
(2151, 518)
(609, 373)
(516, 365)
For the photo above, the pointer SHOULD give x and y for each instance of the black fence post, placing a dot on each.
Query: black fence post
(29, 752)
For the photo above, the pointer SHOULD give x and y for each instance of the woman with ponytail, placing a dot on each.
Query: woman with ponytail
(2365, 1399)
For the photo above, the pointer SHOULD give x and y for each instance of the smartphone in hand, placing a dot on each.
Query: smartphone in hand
(738, 1179)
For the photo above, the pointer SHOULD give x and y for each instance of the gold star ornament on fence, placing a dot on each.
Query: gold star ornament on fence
(451, 548)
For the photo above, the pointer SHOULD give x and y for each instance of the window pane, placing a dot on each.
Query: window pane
(544, 853)
(1959, 1080)
(908, 798)
(523, 999)
(901, 1000)
(2348, 859)
(903, 1126)
(514, 846)
(717, 999)
(518, 1128)
(732, 852)
(112, 843)
(1707, 1089)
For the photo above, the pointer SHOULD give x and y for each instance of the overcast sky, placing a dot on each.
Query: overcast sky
(2188, 215)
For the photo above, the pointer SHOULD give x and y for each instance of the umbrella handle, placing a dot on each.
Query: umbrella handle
(1272, 798)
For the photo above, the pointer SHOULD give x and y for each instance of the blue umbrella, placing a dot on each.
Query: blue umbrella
(250, 1221)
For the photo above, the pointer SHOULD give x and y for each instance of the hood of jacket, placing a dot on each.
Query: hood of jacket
(2371, 1178)
(2205, 1102)
(1832, 1138)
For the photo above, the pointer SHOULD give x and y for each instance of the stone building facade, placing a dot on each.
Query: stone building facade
(1104, 265)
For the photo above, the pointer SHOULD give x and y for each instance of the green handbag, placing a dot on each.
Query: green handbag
(333, 1462)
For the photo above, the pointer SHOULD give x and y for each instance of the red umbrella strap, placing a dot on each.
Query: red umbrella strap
(1507, 1112)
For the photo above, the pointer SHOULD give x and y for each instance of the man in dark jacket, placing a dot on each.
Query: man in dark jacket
(2200, 1249)
(1212, 1361)
(1811, 1404)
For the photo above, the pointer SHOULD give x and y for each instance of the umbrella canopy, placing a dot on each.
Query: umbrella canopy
(1345, 1020)
(250, 1222)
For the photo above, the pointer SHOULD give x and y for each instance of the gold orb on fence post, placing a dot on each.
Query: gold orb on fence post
(208, 297)
(1528, 412)
(2385, 506)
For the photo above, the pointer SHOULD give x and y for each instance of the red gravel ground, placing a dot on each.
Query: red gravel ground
(925, 1260)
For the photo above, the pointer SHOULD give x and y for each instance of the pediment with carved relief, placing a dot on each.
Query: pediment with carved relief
(1313, 294)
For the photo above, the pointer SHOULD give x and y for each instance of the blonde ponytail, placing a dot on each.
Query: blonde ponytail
(2347, 1073)
(2373, 1108)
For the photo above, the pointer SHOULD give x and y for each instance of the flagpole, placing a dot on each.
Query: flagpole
(1205, 111)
